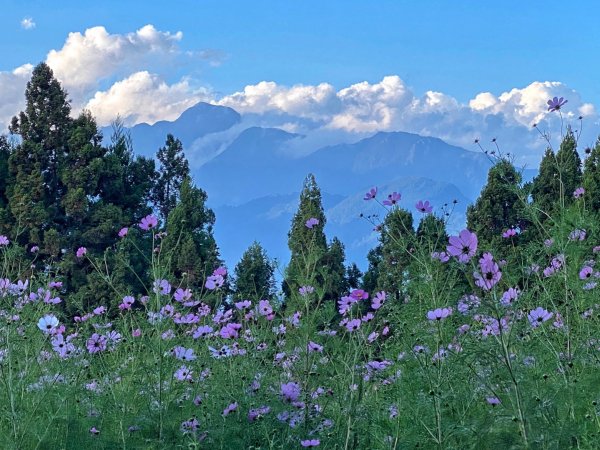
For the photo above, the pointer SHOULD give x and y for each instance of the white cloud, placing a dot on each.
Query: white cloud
(144, 97)
(12, 93)
(88, 58)
(27, 23)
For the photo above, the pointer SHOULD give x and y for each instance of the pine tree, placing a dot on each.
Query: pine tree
(254, 275)
(499, 206)
(174, 168)
(591, 179)
(44, 127)
(189, 245)
(397, 243)
(335, 282)
(558, 177)
(307, 245)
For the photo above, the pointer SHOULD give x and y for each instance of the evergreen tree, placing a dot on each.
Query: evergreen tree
(431, 233)
(353, 276)
(397, 243)
(174, 168)
(591, 179)
(558, 177)
(371, 276)
(44, 127)
(254, 275)
(335, 282)
(189, 245)
(5, 217)
(499, 206)
(307, 245)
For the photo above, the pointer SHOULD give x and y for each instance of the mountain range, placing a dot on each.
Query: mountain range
(253, 178)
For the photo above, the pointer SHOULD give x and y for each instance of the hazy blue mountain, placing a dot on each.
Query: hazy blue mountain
(253, 179)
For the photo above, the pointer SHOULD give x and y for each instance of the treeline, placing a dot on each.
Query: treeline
(61, 189)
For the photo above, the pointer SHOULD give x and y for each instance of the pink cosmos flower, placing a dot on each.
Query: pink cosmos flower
(578, 193)
(392, 199)
(378, 300)
(463, 246)
(123, 232)
(511, 232)
(3, 240)
(148, 222)
(424, 207)
(371, 194)
(81, 252)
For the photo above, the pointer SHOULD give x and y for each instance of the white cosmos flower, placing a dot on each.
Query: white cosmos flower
(47, 323)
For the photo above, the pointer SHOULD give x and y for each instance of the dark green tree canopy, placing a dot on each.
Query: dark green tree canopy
(173, 169)
(254, 275)
(591, 179)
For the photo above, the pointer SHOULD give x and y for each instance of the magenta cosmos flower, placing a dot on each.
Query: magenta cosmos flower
(81, 252)
(310, 223)
(148, 222)
(371, 194)
(463, 246)
(556, 103)
(392, 199)
(424, 207)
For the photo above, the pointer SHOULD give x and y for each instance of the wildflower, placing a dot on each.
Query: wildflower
(586, 273)
(230, 408)
(264, 308)
(510, 296)
(577, 235)
(94, 431)
(34, 249)
(392, 199)
(127, 302)
(511, 232)
(463, 246)
(214, 282)
(353, 325)
(378, 300)
(123, 232)
(556, 103)
(290, 391)
(189, 426)
(81, 252)
(47, 323)
(3, 241)
(184, 354)
(202, 331)
(549, 243)
(372, 337)
(424, 207)
(182, 295)
(256, 413)
(162, 287)
(440, 256)
(245, 304)
(468, 303)
(359, 294)
(314, 347)
(310, 223)
(136, 333)
(371, 194)
(306, 290)
(310, 443)
(148, 222)
(493, 401)
(490, 275)
(439, 313)
(96, 343)
(183, 374)
(578, 193)
(538, 315)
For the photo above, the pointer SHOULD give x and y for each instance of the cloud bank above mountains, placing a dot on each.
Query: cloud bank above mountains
(132, 75)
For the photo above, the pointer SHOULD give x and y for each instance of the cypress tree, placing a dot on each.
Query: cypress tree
(499, 205)
(431, 233)
(371, 276)
(5, 217)
(307, 245)
(353, 276)
(174, 168)
(254, 275)
(591, 179)
(335, 282)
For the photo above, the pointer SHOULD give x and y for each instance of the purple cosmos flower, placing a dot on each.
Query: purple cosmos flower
(424, 207)
(3, 240)
(468, 303)
(392, 199)
(256, 413)
(81, 252)
(378, 300)
(511, 232)
(244, 304)
(148, 222)
(439, 313)
(183, 374)
(353, 325)
(123, 232)
(34, 249)
(579, 192)
(310, 223)
(493, 401)
(94, 431)
(184, 354)
(509, 297)
(556, 103)
(214, 282)
(306, 290)
(586, 273)
(96, 343)
(538, 316)
(359, 294)
(577, 235)
(310, 443)
(371, 194)
(230, 408)
(463, 246)
(264, 308)
(314, 347)
(490, 273)
(162, 287)
(290, 391)
(190, 426)
(230, 331)
(202, 331)
(441, 256)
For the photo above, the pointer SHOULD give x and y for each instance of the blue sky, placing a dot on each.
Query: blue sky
(454, 49)
(457, 47)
